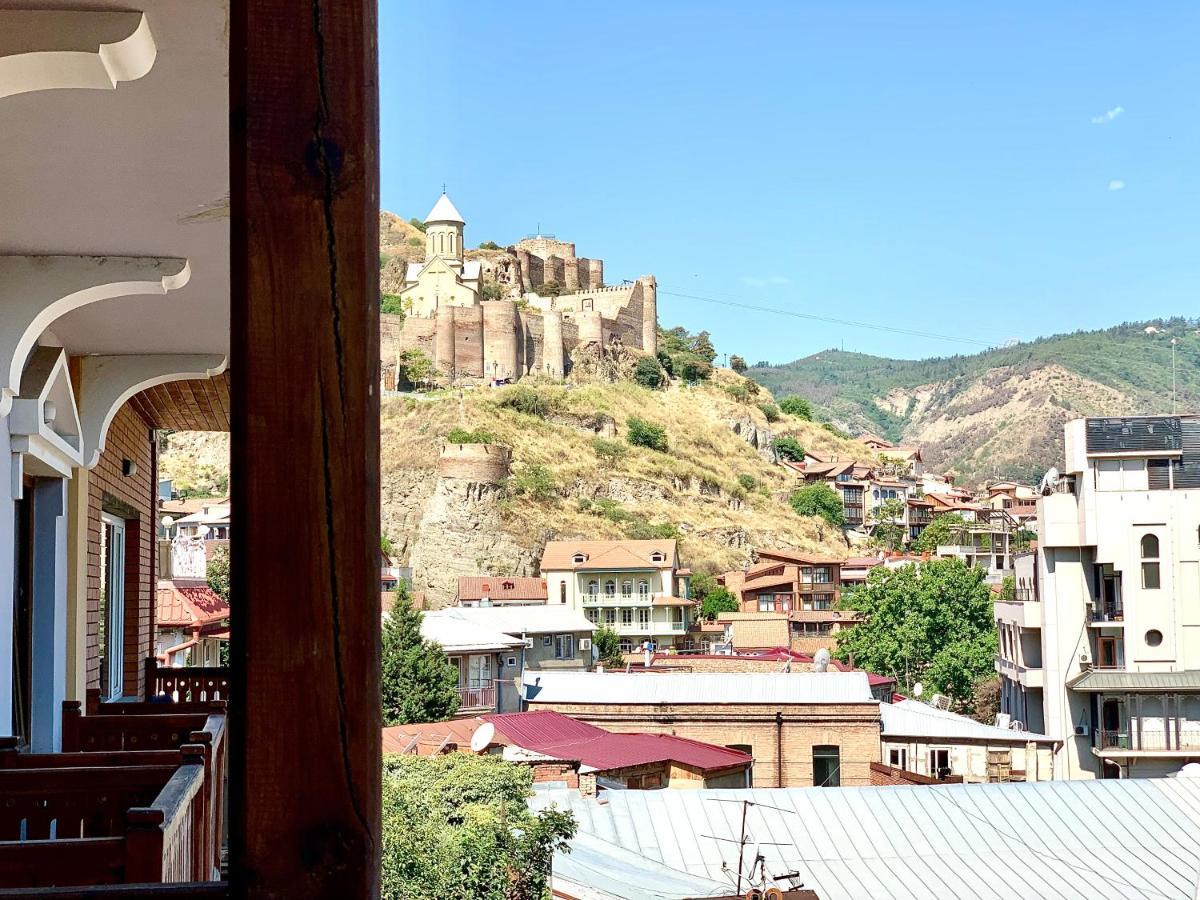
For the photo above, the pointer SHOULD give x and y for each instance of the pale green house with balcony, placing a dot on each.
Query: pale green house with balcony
(637, 588)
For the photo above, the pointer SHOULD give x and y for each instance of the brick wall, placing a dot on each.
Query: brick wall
(131, 498)
(553, 770)
(852, 727)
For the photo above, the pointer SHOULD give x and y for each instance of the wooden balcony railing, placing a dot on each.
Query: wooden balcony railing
(191, 684)
(477, 697)
(116, 815)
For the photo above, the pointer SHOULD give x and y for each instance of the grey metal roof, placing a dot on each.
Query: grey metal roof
(1118, 680)
(519, 620)
(911, 718)
(698, 687)
(1092, 840)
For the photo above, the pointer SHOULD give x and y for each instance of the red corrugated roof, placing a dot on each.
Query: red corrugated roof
(187, 602)
(561, 736)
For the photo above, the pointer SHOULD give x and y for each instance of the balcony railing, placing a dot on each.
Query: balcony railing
(190, 684)
(621, 597)
(480, 697)
(1109, 612)
(115, 816)
(1153, 738)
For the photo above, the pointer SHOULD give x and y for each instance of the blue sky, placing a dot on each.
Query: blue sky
(987, 174)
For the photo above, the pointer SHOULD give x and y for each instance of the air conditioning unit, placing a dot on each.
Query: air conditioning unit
(585, 643)
(1081, 731)
(529, 642)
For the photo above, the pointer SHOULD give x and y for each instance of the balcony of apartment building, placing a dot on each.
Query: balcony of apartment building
(642, 620)
(1107, 608)
(1141, 720)
(638, 589)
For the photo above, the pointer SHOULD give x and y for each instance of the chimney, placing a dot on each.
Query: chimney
(485, 595)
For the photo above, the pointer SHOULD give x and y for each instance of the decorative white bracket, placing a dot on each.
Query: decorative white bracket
(36, 290)
(106, 382)
(44, 426)
(42, 50)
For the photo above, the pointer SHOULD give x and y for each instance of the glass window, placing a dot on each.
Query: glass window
(112, 606)
(593, 588)
(627, 588)
(821, 575)
(643, 589)
(806, 574)
(626, 645)
(562, 592)
(766, 602)
(643, 617)
(827, 765)
(939, 763)
(626, 616)
(610, 588)
(564, 646)
(898, 757)
(610, 617)
(1151, 577)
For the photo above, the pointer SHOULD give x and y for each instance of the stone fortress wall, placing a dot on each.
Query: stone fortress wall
(524, 333)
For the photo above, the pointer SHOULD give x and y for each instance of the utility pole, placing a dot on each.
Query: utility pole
(1174, 341)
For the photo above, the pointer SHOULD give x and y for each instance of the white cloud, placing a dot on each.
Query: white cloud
(1108, 116)
(1116, 185)
(769, 281)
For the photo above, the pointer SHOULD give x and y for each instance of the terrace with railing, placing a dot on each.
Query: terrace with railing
(136, 796)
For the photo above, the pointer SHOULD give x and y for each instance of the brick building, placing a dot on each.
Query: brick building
(802, 729)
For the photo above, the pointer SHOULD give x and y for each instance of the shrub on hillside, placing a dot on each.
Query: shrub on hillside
(527, 400)
(535, 482)
(741, 391)
(641, 433)
(648, 373)
(463, 436)
(489, 245)
(835, 431)
(770, 410)
(391, 305)
(818, 500)
(608, 452)
(738, 364)
(748, 482)
(417, 224)
(491, 291)
(787, 447)
(796, 406)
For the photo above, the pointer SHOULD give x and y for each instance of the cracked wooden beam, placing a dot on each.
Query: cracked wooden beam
(305, 763)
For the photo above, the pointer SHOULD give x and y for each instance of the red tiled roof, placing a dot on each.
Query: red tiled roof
(188, 602)
(554, 734)
(501, 588)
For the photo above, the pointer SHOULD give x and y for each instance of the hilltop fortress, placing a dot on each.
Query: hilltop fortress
(478, 314)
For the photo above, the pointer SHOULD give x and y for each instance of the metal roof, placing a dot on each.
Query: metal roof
(1118, 680)
(444, 211)
(562, 737)
(456, 635)
(911, 718)
(698, 687)
(519, 620)
(1093, 840)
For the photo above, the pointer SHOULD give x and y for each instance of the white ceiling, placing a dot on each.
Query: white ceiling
(142, 170)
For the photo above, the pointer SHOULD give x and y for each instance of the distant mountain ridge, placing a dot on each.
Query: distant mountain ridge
(1000, 413)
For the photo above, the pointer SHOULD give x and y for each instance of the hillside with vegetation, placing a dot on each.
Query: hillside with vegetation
(611, 460)
(999, 413)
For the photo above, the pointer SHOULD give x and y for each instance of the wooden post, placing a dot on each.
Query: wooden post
(305, 754)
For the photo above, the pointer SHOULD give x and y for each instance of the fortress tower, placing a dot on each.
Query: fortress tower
(444, 231)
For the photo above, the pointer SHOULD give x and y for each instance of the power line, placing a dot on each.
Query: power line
(959, 339)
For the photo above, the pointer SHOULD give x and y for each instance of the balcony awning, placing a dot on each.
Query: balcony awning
(1117, 681)
(192, 405)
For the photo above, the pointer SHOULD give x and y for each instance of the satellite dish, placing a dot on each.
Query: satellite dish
(202, 531)
(1190, 770)
(482, 737)
(918, 689)
(821, 661)
(1049, 480)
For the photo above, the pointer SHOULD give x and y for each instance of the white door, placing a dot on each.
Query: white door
(112, 606)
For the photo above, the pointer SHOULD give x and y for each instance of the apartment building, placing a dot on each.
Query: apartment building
(1101, 646)
(636, 588)
(802, 587)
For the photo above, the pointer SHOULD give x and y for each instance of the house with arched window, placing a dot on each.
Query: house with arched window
(637, 588)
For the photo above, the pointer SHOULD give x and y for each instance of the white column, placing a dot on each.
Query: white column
(49, 681)
(8, 542)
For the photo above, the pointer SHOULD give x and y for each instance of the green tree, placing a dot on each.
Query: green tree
(887, 525)
(641, 433)
(938, 533)
(787, 447)
(985, 699)
(702, 346)
(738, 364)
(1008, 589)
(417, 224)
(648, 373)
(489, 245)
(748, 482)
(216, 571)
(391, 304)
(717, 601)
(819, 499)
(419, 684)
(550, 289)
(701, 585)
(607, 644)
(931, 623)
(608, 452)
(415, 367)
(536, 482)
(796, 406)
(490, 290)
(457, 825)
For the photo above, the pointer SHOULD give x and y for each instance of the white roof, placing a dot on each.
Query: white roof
(518, 620)
(1100, 839)
(698, 687)
(413, 272)
(207, 516)
(460, 636)
(470, 269)
(911, 718)
(444, 211)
